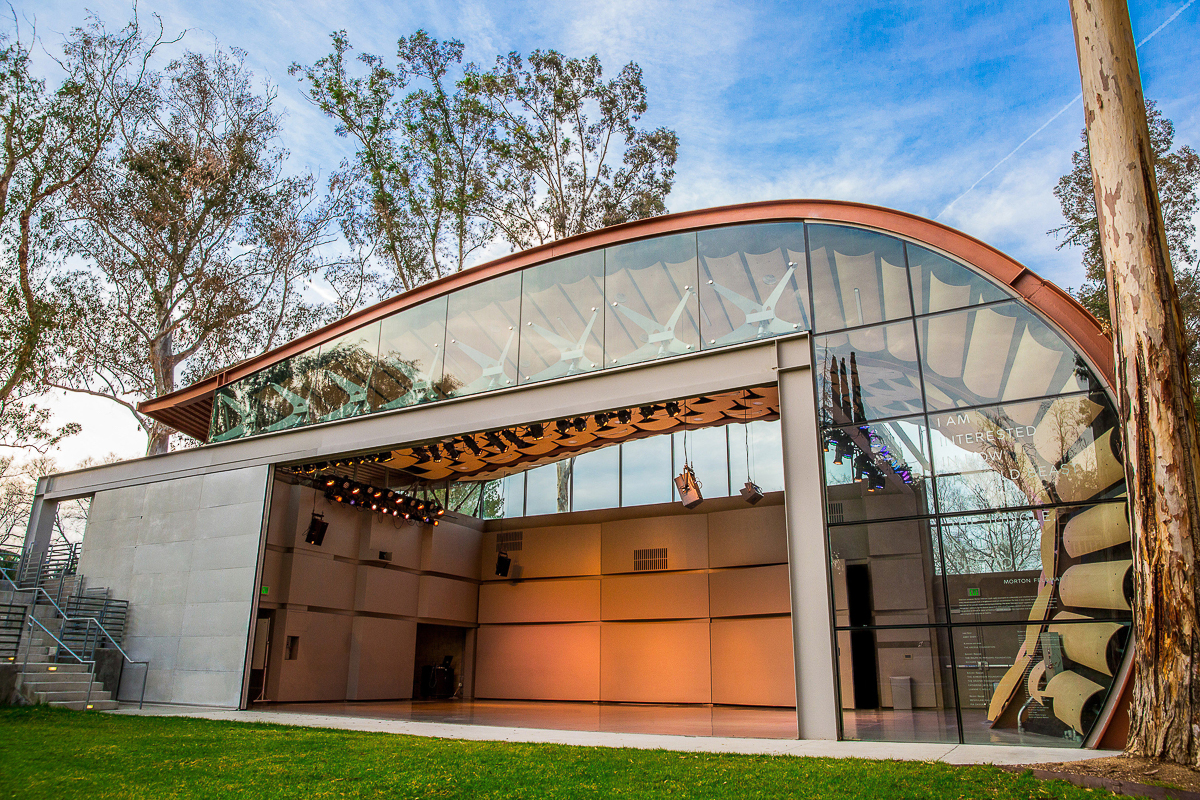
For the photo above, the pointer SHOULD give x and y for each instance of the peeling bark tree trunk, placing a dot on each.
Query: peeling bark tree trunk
(1152, 383)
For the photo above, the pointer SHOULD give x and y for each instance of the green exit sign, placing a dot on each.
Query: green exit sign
(970, 592)
(267, 590)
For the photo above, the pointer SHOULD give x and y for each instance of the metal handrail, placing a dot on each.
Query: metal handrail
(89, 621)
(76, 656)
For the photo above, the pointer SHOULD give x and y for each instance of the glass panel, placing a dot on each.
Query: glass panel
(858, 277)
(464, 498)
(939, 284)
(595, 482)
(1030, 565)
(1060, 450)
(994, 354)
(650, 294)
(896, 685)
(278, 394)
(512, 490)
(868, 374)
(765, 455)
(646, 471)
(231, 416)
(492, 502)
(481, 335)
(707, 450)
(410, 364)
(753, 283)
(877, 470)
(343, 379)
(542, 490)
(1068, 666)
(886, 573)
(562, 318)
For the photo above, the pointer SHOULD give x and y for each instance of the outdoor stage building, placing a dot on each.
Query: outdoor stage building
(913, 520)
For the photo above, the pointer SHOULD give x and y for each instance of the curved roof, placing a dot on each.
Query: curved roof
(189, 409)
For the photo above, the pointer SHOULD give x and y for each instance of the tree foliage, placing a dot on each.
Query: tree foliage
(1177, 171)
(198, 244)
(51, 140)
(525, 152)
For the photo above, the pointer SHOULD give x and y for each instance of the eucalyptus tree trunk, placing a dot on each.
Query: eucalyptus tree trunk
(1153, 388)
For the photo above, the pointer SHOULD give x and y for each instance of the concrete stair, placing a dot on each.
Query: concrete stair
(41, 680)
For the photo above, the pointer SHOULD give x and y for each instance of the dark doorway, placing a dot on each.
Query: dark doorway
(439, 662)
(259, 655)
(862, 643)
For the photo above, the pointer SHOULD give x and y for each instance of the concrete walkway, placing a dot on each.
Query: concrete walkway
(907, 751)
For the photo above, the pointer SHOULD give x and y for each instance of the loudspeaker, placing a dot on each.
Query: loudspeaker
(316, 530)
(751, 493)
(503, 562)
(689, 488)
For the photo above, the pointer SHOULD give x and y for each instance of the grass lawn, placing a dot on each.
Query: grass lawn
(47, 753)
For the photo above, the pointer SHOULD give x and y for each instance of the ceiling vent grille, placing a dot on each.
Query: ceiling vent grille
(837, 513)
(509, 541)
(650, 559)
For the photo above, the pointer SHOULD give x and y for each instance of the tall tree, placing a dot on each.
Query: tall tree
(1177, 171)
(198, 244)
(417, 178)
(1162, 445)
(571, 157)
(51, 140)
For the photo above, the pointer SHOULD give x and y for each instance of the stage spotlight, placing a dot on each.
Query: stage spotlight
(330, 482)
(495, 441)
(355, 489)
(535, 431)
(876, 481)
(316, 529)
(751, 493)
(472, 445)
(562, 426)
(580, 424)
(624, 416)
(689, 488)
(673, 408)
(647, 413)
(451, 450)
(436, 451)
(503, 562)
(512, 437)
(861, 465)
(421, 455)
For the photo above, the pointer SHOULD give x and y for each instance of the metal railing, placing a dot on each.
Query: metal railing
(89, 621)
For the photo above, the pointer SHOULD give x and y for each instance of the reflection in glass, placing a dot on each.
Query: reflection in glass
(753, 283)
(858, 277)
(756, 454)
(896, 685)
(707, 450)
(1065, 449)
(596, 480)
(410, 364)
(481, 335)
(939, 284)
(562, 318)
(277, 395)
(650, 294)
(343, 377)
(646, 471)
(868, 374)
(231, 413)
(997, 353)
(1030, 565)
(887, 572)
(1035, 684)
(876, 470)
(541, 490)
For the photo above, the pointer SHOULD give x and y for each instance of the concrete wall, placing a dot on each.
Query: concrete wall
(353, 616)
(581, 623)
(183, 552)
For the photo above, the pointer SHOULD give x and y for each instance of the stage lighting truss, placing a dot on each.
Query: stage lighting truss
(387, 502)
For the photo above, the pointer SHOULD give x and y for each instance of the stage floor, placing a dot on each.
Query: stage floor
(679, 720)
(733, 721)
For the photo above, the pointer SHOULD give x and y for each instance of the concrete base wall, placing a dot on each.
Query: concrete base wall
(183, 552)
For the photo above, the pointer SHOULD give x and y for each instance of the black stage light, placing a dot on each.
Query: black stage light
(535, 431)
(647, 413)
(751, 493)
(562, 426)
(451, 450)
(472, 445)
(673, 408)
(512, 437)
(355, 489)
(316, 529)
(580, 424)
(503, 562)
(876, 481)
(860, 467)
(436, 452)
(329, 482)
(495, 441)
(420, 453)
(601, 419)
(624, 416)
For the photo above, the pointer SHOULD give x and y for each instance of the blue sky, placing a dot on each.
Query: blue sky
(900, 104)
